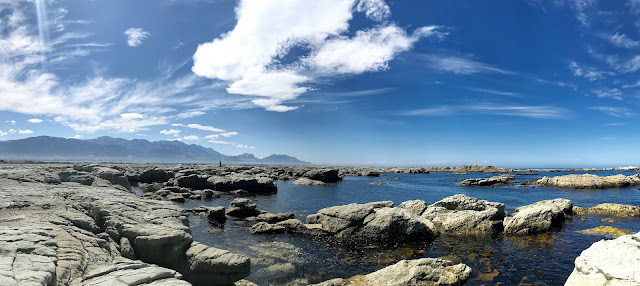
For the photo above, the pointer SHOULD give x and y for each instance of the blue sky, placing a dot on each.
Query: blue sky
(349, 82)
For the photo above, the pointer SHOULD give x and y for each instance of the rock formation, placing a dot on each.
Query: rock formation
(461, 214)
(538, 217)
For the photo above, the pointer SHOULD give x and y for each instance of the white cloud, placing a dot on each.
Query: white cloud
(623, 41)
(228, 134)
(589, 73)
(190, 137)
(212, 136)
(26, 131)
(13, 122)
(218, 142)
(130, 116)
(12, 131)
(135, 36)
(535, 111)
(244, 146)
(608, 93)
(2, 133)
(459, 65)
(173, 132)
(199, 127)
(34, 120)
(614, 111)
(321, 27)
(77, 136)
(190, 114)
(494, 91)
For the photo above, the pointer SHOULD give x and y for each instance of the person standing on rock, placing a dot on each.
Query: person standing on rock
(220, 163)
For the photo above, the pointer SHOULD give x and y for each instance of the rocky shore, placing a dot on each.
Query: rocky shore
(63, 224)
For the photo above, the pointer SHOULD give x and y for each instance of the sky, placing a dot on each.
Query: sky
(510, 83)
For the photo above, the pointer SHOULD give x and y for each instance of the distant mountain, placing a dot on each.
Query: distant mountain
(109, 149)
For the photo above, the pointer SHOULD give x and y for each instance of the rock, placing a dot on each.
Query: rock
(323, 175)
(424, 271)
(125, 249)
(114, 176)
(27, 256)
(266, 228)
(52, 180)
(610, 209)
(193, 181)
(417, 207)
(251, 184)
(227, 267)
(242, 207)
(308, 182)
(279, 272)
(538, 217)
(500, 180)
(74, 176)
(589, 181)
(153, 175)
(216, 216)
(274, 218)
(132, 273)
(461, 214)
(179, 198)
(244, 282)
(606, 230)
(372, 222)
(608, 262)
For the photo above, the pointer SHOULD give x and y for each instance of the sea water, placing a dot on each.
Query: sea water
(542, 259)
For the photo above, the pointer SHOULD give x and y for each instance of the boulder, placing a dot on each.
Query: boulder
(216, 216)
(266, 228)
(74, 176)
(274, 218)
(538, 217)
(132, 273)
(308, 182)
(323, 175)
(212, 266)
(251, 184)
(461, 214)
(193, 181)
(417, 207)
(372, 223)
(153, 175)
(589, 181)
(610, 209)
(242, 207)
(608, 262)
(500, 180)
(125, 248)
(114, 176)
(423, 271)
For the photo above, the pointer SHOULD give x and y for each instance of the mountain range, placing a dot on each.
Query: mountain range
(110, 149)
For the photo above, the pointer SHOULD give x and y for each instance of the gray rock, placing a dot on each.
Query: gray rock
(27, 256)
(125, 249)
(274, 218)
(538, 217)
(216, 216)
(153, 175)
(132, 273)
(308, 182)
(251, 184)
(417, 207)
(461, 214)
(424, 271)
(212, 266)
(266, 228)
(608, 262)
(114, 176)
(194, 181)
(500, 180)
(323, 175)
(242, 207)
(372, 222)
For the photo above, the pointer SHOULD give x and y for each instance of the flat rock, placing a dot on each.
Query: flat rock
(308, 182)
(250, 183)
(589, 181)
(212, 266)
(500, 180)
(323, 175)
(242, 207)
(608, 262)
(132, 273)
(610, 209)
(538, 217)
(417, 207)
(424, 271)
(606, 231)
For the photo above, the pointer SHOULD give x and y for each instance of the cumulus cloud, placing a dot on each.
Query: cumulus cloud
(251, 57)
(26, 131)
(173, 132)
(34, 120)
(77, 136)
(199, 127)
(135, 36)
(244, 146)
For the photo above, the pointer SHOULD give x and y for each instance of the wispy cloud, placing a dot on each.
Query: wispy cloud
(34, 120)
(199, 127)
(228, 134)
(622, 41)
(589, 73)
(495, 91)
(608, 93)
(460, 65)
(173, 132)
(135, 36)
(614, 111)
(545, 112)
(615, 124)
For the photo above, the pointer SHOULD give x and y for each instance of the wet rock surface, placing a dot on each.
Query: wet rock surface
(500, 180)
(589, 181)
(610, 209)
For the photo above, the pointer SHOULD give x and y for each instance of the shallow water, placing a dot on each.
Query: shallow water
(544, 259)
